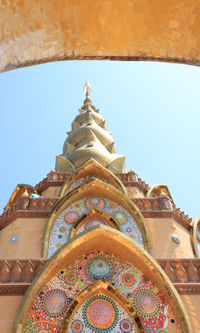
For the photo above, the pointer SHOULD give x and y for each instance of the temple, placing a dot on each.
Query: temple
(93, 248)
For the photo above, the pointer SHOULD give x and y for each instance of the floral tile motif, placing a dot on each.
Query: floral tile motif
(49, 309)
(62, 227)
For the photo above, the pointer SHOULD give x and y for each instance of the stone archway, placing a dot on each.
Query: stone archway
(34, 32)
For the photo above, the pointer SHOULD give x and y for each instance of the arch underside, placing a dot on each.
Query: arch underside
(122, 271)
(34, 32)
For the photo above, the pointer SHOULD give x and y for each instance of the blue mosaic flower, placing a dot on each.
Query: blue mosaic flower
(99, 268)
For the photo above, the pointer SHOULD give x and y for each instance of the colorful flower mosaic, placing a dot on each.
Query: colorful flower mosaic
(100, 313)
(55, 303)
(61, 229)
(71, 216)
(99, 268)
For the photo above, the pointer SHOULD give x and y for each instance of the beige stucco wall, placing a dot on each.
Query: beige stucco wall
(51, 191)
(192, 305)
(134, 192)
(161, 230)
(30, 232)
(9, 306)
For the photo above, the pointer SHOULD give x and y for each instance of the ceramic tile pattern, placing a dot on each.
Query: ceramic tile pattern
(63, 224)
(49, 309)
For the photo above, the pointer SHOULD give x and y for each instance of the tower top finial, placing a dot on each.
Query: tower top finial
(87, 88)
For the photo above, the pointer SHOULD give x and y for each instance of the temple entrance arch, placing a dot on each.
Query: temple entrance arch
(119, 261)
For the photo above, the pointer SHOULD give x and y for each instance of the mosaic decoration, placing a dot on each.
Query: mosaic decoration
(176, 239)
(99, 268)
(62, 227)
(55, 303)
(14, 239)
(71, 216)
(89, 224)
(100, 313)
(146, 303)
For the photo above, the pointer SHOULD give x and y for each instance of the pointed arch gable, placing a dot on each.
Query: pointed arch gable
(102, 238)
(105, 289)
(106, 191)
(94, 169)
(159, 190)
(94, 214)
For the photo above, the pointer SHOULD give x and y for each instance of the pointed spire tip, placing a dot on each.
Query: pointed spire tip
(87, 88)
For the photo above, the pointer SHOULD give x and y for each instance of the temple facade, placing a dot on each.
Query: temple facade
(93, 248)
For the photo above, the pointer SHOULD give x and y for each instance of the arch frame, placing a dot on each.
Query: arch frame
(106, 239)
(159, 187)
(106, 288)
(93, 166)
(106, 191)
(96, 213)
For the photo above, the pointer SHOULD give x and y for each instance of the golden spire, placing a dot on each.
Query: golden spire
(87, 88)
(88, 139)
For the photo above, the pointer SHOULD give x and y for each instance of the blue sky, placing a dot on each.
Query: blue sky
(152, 110)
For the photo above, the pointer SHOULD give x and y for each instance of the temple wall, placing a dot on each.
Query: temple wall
(29, 244)
(51, 191)
(9, 305)
(192, 305)
(161, 230)
(134, 192)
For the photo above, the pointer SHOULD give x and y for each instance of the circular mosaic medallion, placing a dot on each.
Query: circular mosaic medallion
(120, 216)
(98, 268)
(58, 245)
(126, 325)
(71, 278)
(14, 239)
(161, 330)
(128, 279)
(62, 229)
(176, 239)
(95, 202)
(147, 303)
(77, 205)
(71, 216)
(77, 326)
(55, 303)
(100, 313)
(112, 205)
